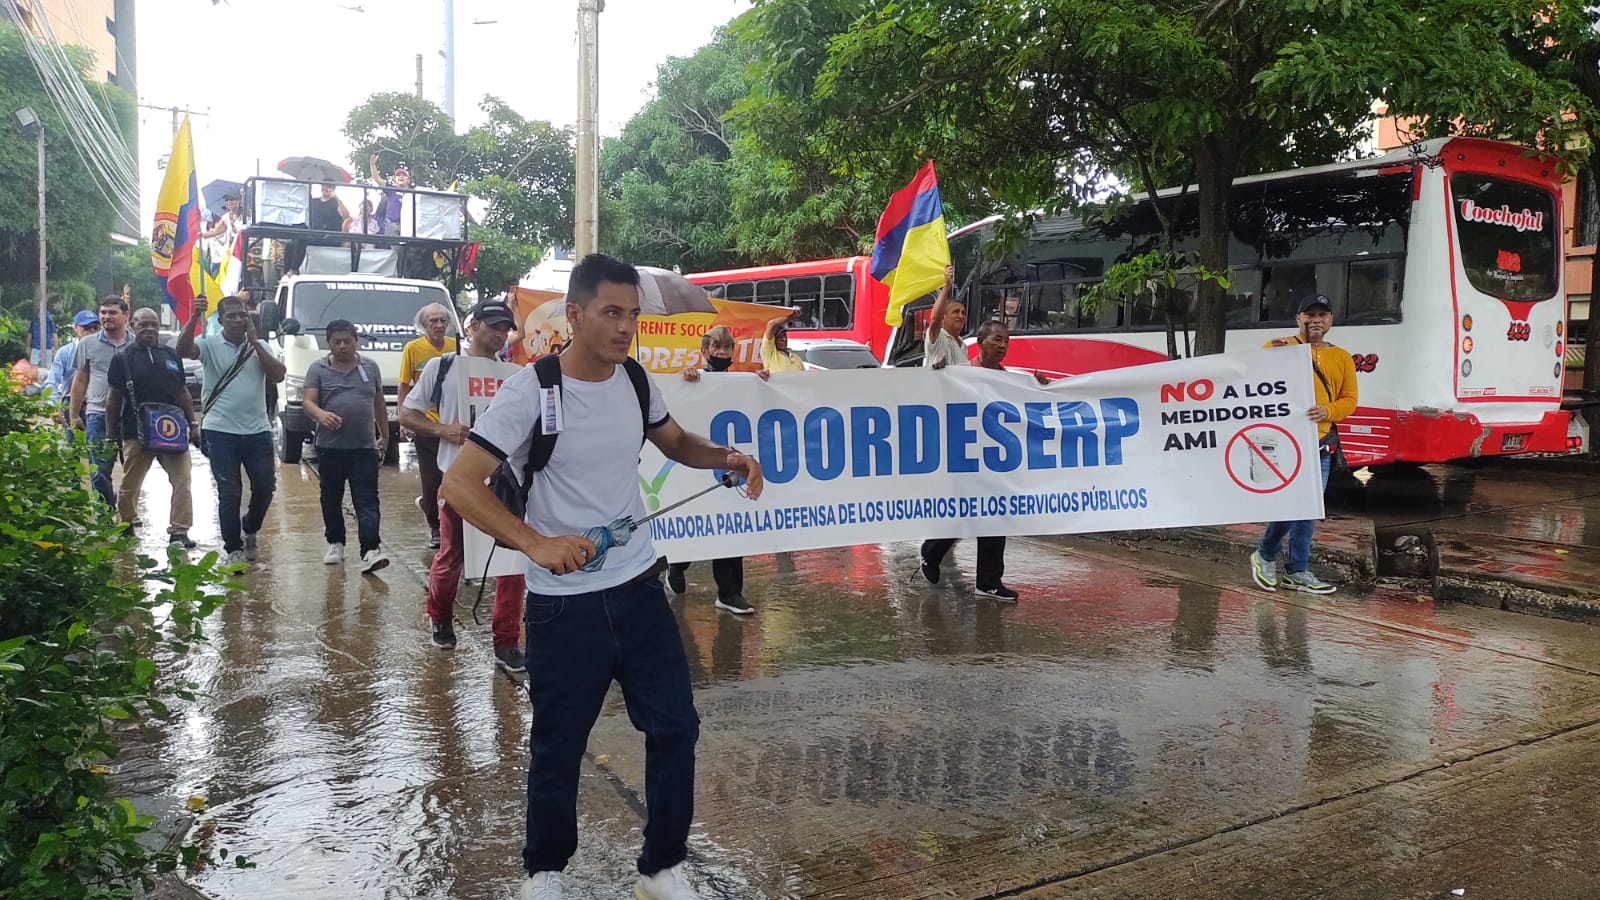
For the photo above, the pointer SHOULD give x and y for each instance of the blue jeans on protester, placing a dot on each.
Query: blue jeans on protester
(101, 455)
(229, 452)
(360, 469)
(577, 645)
(1299, 533)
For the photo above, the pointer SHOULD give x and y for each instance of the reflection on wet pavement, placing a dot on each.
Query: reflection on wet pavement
(863, 735)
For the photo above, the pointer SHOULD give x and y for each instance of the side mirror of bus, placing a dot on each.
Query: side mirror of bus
(290, 327)
(270, 321)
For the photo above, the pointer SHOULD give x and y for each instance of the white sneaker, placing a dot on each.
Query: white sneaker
(667, 884)
(335, 554)
(237, 558)
(372, 561)
(542, 886)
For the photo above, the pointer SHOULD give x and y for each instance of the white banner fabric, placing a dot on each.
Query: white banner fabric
(865, 456)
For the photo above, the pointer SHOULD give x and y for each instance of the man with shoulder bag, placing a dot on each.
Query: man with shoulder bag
(236, 430)
(149, 413)
(1336, 398)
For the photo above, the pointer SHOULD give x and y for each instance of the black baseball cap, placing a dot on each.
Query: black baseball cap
(491, 312)
(1318, 300)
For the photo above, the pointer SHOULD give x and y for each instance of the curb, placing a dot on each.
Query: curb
(1519, 576)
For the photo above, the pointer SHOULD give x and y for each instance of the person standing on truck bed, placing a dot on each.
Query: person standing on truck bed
(344, 396)
(433, 321)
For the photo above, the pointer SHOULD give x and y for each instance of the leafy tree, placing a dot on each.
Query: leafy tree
(1052, 104)
(666, 178)
(131, 266)
(502, 260)
(402, 127)
(79, 217)
(527, 170)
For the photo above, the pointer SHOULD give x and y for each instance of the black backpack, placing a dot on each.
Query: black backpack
(504, 483)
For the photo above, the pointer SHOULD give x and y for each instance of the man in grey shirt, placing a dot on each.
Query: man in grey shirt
(90, 389)
(344, 396)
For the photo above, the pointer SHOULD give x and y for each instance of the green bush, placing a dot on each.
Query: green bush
(82, 621)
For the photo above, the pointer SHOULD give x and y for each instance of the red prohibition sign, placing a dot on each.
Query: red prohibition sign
(1255, 451)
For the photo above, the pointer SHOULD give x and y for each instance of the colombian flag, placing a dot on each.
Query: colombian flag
(911, 251)
(175, 236)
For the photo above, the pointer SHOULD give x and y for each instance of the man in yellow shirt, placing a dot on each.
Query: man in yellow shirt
(433, 321)
(1336, 398)
(775, 353)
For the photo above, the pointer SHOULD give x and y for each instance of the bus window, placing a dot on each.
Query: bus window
(744, 291)
(1243, 298)
(773, 290)
(1372, 295)
(1285, 288)
(838, 301)
(805, 294)
(1507, 236)
(715, 290)
(1326, 216)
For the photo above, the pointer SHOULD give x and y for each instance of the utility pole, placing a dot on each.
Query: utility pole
(450, 60)
(419, 76)
(588, 194)
(44, 312)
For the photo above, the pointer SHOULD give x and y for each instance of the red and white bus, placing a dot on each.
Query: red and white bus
(837, 299)
(1443, 262)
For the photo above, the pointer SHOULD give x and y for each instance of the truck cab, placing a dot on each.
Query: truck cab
(384, 311)
(377, 279)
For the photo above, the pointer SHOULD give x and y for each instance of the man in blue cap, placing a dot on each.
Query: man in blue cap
(57, 383)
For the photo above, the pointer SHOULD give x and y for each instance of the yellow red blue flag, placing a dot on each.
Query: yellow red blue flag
(911, 251)
(175, 235)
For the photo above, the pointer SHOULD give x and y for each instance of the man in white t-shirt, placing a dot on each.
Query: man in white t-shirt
(587, 628)
(946, 321)
(491, 322)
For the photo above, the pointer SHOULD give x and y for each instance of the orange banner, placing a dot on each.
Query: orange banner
(665, 344)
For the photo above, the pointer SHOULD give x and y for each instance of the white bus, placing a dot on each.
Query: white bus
(1443, 262)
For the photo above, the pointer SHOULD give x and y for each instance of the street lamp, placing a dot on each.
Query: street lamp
(31, 126)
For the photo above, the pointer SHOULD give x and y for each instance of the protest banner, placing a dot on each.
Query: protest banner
(868, 456)
(675, 314)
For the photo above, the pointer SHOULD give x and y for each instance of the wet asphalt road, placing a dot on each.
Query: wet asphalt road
(1138, 726)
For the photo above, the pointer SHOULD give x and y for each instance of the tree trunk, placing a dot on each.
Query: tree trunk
(1214, 164)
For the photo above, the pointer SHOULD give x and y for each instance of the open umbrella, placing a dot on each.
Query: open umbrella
(666, 293)
(311, 168)
(213, 192)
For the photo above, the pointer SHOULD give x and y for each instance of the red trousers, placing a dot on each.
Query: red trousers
(444, 581)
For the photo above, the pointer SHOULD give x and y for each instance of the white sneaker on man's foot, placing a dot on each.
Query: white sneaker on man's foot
(372, 561)
(667, 884)
(542, 886)
(252, 547)
(335, 554)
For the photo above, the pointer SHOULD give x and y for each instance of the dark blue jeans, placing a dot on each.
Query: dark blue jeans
(102, 456)
(1299, 533)
(228, 453)
(360, 469)
(578, 645)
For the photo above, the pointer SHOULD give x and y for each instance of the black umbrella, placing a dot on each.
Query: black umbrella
(311, 168)
(213, 193)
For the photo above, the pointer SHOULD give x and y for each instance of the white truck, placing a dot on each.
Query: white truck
(355, 275)
(384, 312)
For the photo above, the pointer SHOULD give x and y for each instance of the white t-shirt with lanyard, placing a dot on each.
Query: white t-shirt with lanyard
(593, 475)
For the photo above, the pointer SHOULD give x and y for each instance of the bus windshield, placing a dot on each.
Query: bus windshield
(1507, 235)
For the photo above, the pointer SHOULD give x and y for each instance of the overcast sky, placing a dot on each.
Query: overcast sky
(277, 77)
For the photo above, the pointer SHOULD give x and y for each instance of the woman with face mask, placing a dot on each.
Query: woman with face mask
(717, 347)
